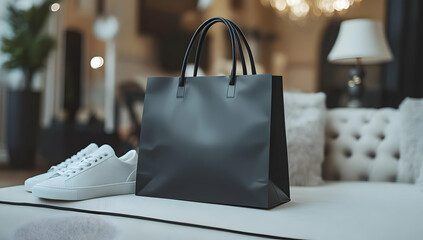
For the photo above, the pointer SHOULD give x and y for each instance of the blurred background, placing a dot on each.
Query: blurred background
(74, 71)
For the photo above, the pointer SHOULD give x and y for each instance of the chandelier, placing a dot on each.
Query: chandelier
(300, 9)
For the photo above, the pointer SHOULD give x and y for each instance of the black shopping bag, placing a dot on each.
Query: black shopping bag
(215, 139)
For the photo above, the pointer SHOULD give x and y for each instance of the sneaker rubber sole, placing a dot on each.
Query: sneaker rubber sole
(82, 193)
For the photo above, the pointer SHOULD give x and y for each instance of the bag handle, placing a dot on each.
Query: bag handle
(237, 32)
(199, 29)
(247, 46)
(200, 44)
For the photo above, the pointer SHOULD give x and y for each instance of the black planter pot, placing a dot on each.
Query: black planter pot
(23, 118)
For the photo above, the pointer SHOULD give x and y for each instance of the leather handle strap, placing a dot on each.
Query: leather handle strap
(238, 32)
(247, 46)
(188, 51)
(200, 45)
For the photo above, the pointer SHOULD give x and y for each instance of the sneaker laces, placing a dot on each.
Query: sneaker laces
(86, 162)
(77, 157)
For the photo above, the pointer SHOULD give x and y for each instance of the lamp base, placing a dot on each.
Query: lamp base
(355, 87)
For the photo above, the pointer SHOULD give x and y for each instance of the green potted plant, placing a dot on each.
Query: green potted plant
(27, 47)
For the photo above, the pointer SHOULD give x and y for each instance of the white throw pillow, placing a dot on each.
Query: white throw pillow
(305, 132)
(419, 180)
(411, 141)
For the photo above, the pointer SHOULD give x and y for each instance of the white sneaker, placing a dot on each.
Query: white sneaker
(30, 182)
(99, 174)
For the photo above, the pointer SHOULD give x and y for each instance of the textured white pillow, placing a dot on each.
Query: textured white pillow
(419, 180)
(411, 141)
(305, 132)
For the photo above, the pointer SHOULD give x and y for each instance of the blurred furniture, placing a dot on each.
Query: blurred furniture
(360, 200)
(130, 93)
(69, 137)
(361, 145)
(360, 41)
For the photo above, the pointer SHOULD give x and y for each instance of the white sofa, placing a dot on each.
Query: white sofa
(359, 200)
(362, 145)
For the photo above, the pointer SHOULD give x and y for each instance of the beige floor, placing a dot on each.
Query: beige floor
(12, 177)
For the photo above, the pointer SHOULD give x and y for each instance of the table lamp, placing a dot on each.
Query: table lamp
(359, 42)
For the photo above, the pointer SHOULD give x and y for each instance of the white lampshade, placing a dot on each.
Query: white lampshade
(360, 38)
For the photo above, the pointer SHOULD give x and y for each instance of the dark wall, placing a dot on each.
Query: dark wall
(403, 76)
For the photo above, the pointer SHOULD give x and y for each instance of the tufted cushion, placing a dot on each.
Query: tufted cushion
(361, 145)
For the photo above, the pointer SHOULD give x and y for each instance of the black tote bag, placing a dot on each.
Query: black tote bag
(215, 139)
